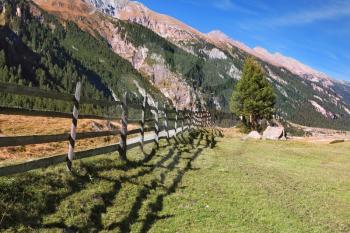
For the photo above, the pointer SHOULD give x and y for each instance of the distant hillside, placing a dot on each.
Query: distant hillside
(114, 46)
(305, 96)
(38, 49)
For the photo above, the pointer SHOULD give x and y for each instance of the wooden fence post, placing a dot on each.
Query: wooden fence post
(210, 119)
(190, 118)
(124, 129)
(206, 119)
(143, 116)
(198, 119)
(73, 131)
(176, 119)
(156, 123)
(202, 118)
(187, 118)
(182, 119)
(166, 123)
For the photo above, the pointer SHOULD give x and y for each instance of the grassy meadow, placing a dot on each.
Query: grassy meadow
(237, 186)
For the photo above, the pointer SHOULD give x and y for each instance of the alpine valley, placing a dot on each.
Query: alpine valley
(117, 46)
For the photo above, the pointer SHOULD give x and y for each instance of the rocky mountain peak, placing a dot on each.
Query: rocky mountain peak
(292, 65)
(163, 25)
(110, 7)
(218, 35)
(276, 59)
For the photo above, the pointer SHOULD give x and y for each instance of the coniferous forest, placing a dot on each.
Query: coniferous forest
(52, 54)
(47, 54)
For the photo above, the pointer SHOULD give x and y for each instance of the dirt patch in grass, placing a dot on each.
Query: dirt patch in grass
(24, 126)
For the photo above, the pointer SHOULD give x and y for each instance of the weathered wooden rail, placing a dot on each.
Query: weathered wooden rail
(182, 120)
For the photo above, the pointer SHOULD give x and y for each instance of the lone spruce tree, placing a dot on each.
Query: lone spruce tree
(253, 97)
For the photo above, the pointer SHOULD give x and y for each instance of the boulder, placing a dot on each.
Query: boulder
(252, 135)
(274, 133)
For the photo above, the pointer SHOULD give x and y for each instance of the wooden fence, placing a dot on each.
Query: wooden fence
(182, 121)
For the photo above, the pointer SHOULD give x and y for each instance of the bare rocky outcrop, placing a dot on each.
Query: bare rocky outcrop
(252, 135)
(139, 57)
(274, 133)
(215, 53)
(110, 7)
(234, 72)
(322, 110)
(164, 25)
(151, 65)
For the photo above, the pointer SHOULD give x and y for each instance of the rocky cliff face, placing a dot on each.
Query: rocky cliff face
(164, 25)
(110, 7)
(150, 64)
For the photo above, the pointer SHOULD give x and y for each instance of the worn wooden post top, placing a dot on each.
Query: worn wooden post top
(124, 129)
(73, 131)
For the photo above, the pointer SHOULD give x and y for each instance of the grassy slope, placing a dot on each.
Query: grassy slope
(237, 187)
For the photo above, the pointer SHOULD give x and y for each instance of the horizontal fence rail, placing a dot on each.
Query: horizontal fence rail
(41, 139)
(162, 122)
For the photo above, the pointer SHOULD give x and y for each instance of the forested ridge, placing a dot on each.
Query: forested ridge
(43, 52)
(211, 78)
(50, 53)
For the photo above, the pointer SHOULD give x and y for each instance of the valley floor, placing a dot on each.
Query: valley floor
(250, 186)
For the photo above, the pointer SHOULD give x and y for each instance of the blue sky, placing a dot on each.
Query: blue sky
(316, 32)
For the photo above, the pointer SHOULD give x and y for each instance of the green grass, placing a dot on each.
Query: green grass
(251, 186)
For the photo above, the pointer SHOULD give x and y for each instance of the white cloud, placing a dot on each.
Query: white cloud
(328, 12)
(224, 4)
(228, 5)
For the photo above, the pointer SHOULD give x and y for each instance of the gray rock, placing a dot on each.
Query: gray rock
(274, 133)
(252, 135)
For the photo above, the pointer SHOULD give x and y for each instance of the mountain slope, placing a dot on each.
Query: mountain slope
(40, 50)
(304, 95)
(169, 57)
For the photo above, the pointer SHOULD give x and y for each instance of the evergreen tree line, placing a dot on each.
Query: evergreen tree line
(41, 52)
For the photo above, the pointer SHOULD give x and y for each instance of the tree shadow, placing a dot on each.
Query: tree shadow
(157, 206)
(125, 224)
(78, 181)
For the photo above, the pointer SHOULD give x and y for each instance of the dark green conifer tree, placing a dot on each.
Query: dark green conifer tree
(253, 97)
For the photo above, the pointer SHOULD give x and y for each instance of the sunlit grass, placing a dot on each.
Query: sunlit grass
(250, 186)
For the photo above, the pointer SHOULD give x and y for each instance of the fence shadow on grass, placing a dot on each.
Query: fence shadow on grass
(32, 208)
